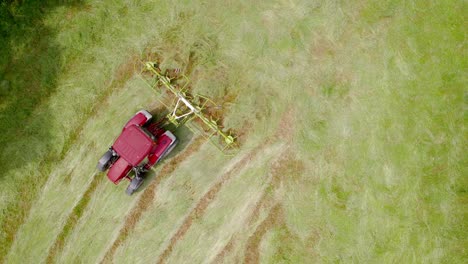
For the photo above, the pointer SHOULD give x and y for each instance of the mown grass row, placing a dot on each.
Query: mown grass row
(375, 88)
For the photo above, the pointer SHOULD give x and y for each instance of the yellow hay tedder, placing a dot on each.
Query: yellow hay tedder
(186, 108)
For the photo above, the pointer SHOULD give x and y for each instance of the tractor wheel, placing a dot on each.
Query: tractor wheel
(105, 161)
(134, 185)
(171, 148)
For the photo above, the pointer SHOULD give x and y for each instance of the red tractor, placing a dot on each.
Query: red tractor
(140, 146)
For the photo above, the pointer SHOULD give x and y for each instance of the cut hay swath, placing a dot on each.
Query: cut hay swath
(195, 111)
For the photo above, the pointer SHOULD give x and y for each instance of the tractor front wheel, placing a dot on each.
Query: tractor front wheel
(105, 161)
(171, 148)
(134, 185)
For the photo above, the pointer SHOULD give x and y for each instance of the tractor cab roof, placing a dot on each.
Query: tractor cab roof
(133, 144)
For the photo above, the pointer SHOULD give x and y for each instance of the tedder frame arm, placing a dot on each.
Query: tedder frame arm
(185, 108)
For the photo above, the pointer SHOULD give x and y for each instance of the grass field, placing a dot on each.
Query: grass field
(351, 117)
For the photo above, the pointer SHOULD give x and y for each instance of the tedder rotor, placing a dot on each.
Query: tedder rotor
(185, 106)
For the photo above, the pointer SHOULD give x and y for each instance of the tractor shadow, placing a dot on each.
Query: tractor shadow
(184, 135)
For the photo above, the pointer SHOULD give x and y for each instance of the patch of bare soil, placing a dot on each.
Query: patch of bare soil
(145, 200)
(205, 201)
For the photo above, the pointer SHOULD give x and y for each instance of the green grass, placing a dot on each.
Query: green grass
(373, 93)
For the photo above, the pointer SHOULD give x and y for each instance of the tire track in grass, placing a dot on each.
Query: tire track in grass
(261, 203)
(122, 74)
(287, 165)
(285, 133)
(74, 217)
(275, 217)
(145, 200)
(265, 202)
(206, 200)
(226, 250)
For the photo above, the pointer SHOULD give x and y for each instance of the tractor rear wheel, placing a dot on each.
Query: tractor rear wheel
(105, 161)
(134, 185)
(171, 148)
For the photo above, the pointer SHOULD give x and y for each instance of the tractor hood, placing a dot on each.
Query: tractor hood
(133, 145)
(119, 170)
